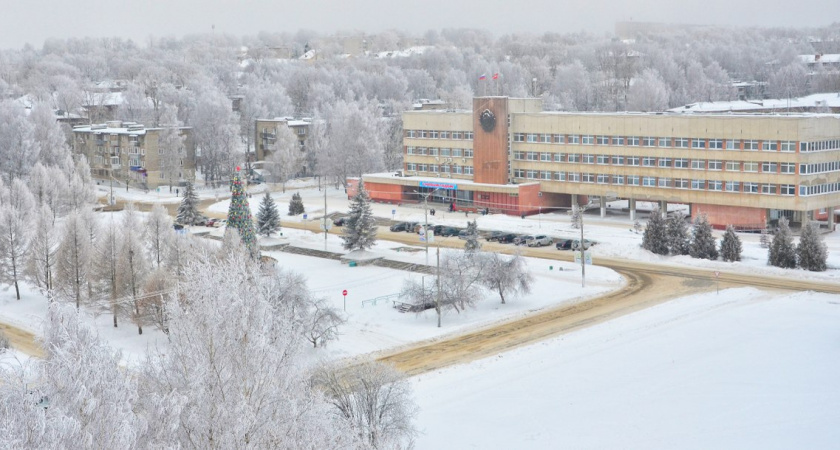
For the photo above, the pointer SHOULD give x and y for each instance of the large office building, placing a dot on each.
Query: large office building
(510, 156)
(130, 152)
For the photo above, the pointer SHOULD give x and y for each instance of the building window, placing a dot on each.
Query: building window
(433, 168)
(716, 144)
(519, 173)
(664, 142)
(531, 174)
(421, 167)
(468, 170)
(787, 167)
(769, 146)
(715, 165)
(532, 156)
(574, 176)
(768, 188)
(750, 166)
(602, 140)
(788, 146)
(648, 162)
(545, 157)
(587, 177)
(681, 163)
(633, 141)
(532, 137)
(618, 140)
(545, 138)
(587, 140)
(750, 188)
(681, 142)
(698, 164)
(649, 181)
(558, 157)
(445, 152)
(519, 137)
(411, 166)
(769, 167)
(664, 182)
(681, 183)
(573, 139)
(410, 133)
(574, 158)
(733, 144)
(733, 166)
(602, 159)
(468, 135)
(698, 143)
(648, 141)
(409, 150)
(457, 152)
(618, 179)
(751, 145)
(665, 162)
(115, 160)
(519, 156)
(603, 179)
(589, 159)
(618, 160)
(733, 186)
(444, 135)
(559, 176)
(632, 180)
(468, 153)
(698, 185)
(433, 134)
(433, 151)
(444, 168)
(457, 135)
(544, 175)
(632, 160)
(788, 189)
(715, 185)
(558, 139)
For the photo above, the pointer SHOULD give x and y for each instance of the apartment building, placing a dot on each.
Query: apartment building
(509, 156)
(265, 134)
(128, 151)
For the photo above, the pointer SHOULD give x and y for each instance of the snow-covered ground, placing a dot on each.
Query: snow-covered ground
(741, 369)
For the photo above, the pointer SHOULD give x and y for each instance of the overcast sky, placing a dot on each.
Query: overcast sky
(33, 21)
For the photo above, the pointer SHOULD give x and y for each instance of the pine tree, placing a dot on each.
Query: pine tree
(677, 230)
(296, 205)
(811, 251)
(268, 219)
(239, 215)
(576, 215)
(188, 210)
(730, 245)
(472, 244)
(360, 228)
(704, 245)
(655, 238)
(782, 252)
(764, 241)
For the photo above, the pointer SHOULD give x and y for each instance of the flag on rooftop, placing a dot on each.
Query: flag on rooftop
(483, 77)
(496, 76)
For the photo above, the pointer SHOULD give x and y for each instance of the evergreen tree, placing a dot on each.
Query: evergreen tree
(188, 210)
(764, 241)
(296, 205)
(655, 238)
(268, 219)
(730, 245)
(679, 242)
(811, 251)
(704, 245)
(359, 231)
(782, 252)
(472, 244)
(239, 215)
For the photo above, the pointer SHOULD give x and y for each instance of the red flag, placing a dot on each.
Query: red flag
(496, 76)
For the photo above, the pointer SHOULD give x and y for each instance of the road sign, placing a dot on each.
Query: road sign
(304, 217)
(587, 256)
(344, 292)
(326, 224)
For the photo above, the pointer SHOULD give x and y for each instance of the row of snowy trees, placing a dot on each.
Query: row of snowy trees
(231, 376)
(810, 254)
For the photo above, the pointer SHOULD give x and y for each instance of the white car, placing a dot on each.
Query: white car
(539, 241)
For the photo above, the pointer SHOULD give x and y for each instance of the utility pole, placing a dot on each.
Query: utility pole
(437, 292)
(582, 249)
(325, 220)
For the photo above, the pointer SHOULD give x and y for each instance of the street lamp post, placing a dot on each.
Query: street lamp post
(426, 214)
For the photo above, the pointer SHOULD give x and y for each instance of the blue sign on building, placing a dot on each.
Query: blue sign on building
(436, 185)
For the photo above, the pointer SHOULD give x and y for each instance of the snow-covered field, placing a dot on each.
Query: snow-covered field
(742, 369)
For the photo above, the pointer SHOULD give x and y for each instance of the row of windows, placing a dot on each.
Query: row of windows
(827, 188)
(819, 167)
(660, 182)
(649, 141)
(434, 151)
(819, 146)
(667, 163)
(443, 168)
(431, 134)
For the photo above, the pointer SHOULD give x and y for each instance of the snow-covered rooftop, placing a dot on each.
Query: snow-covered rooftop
(825, 100)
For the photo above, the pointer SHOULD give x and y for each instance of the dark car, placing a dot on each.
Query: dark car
(507, 238)
(339, 221)
(411, 227)
(573, 244)
(494, 235)
(563, 244)
(445, 231)
(401, 226)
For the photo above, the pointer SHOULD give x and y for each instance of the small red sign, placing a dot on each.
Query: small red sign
(344, 292)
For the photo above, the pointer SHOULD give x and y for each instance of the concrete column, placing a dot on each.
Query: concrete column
(632, 203)
(830, 218)
(603, 203)
(663, 206)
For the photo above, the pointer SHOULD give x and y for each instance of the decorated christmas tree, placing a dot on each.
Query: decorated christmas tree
(268, 219)
(239, 215)
(188, 210)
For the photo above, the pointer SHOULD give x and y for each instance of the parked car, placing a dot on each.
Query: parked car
(218, 223)
(522, 239)
(400, 226)
(339, 221)
(445, 231)
(411, 227)
(422, 226)
(507, 238)
(494, 235)
(586, 244)
(463, 234)
(540, 240)
(573, 244)
(563, 244)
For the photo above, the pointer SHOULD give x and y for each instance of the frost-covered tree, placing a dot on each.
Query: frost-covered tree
(188, 209)
(15, 237)
(268, 218)
(655, 237)
(105, 267)
(159, 233)
(49, 186)
(782, 253)
(472, 244)
(47, 133)
(216, 135)
(171, 150)
(703, 245)
(19, 148)
(374, 399)
(239, 218)
(811, 253)
(730, 245)
(43, 248)
(507, 276)
(285, 159)
(359, 231)
(764, 240)
(73, 260)
(132, 265)
(648, 93)
(323, 322)
(355, 141)
(232, 375)
(81, 193)
(296, 205)
(679, 241)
